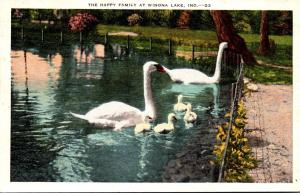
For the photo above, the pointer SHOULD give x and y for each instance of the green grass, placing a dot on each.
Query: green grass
(281, 57)
(268, 75)
(279, 39)
(181, 36)
(184, 38)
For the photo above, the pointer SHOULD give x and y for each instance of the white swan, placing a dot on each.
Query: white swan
(143, 127)
(180, 106)
(190, 116)
(117, 115)
(166, 127)
(188, 76)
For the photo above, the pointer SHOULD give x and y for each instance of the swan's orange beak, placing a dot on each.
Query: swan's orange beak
(159, 68)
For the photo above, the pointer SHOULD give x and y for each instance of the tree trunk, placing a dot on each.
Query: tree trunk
(226, 33)
(264, 47)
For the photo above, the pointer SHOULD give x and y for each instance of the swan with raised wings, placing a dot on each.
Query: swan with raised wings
(189, 76)
(117, 115)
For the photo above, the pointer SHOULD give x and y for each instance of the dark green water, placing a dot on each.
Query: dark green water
(48, 144)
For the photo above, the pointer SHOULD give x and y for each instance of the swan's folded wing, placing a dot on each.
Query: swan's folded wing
(114, 110)
(187, 75)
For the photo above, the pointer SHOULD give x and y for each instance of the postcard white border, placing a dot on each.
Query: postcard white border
(5, 75)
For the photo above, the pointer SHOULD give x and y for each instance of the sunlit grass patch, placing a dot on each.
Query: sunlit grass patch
(268, 75)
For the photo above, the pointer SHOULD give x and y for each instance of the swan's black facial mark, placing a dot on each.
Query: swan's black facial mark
(149, 119)
(159, 68)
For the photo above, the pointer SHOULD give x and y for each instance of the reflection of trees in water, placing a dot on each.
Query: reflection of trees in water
(117, 50)
(33, 149)
(25, 148)
(29, 156)
(88, 63)
(35, 144)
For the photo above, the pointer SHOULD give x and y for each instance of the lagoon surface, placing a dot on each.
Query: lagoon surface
(48, 144)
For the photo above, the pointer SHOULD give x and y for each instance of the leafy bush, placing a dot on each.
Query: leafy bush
(111, 16)
(17, 14)
(239, 158)
(201, 19)
(166, 18)
(243, 26)
(134, 19)
(82, 22)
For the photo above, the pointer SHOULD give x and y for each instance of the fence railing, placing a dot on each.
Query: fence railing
(236, 95)
(60, 37)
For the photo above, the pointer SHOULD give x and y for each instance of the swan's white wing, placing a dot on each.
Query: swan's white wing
(187, 75)
(116, 111)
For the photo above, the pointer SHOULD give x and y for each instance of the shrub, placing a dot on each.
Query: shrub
(17, 14)
(239, 158)
(243, 26)
(82, 22)
(134, 19)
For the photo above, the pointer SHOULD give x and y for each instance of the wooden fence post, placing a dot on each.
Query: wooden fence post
(42, 35)
(150, 40)
(22, 32)
(170, 46)
(128, 42)
(61, 36)
(80, 37)
(106, 38)
(193, 53)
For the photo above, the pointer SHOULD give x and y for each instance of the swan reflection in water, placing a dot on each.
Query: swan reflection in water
(118, 50)
(89, 61)
(197, 91)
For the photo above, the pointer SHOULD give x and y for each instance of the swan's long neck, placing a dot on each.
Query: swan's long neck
(149, 104)
(217, 74)
(179, 100)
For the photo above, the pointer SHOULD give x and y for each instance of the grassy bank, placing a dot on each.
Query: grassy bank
(186, 35)
(268, 75)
